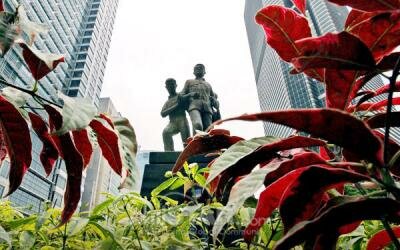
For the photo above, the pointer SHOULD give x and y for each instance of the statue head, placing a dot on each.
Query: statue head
(170, 85)
(199, 70)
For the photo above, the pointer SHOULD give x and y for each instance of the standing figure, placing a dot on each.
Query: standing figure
(201, 106)
(175, 108)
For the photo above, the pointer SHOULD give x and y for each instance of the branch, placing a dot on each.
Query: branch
(31, 92)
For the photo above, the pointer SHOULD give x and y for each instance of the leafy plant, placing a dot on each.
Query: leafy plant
(63, 126)
(311, 189)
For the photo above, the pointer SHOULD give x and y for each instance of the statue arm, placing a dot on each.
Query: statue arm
(166, 111)
(214, 99)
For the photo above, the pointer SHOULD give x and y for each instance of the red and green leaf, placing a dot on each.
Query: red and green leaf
(40, 64)
(335, 126)
(49, 153)
(18, 142)
(334, 51)
(334, 218)
(340, 87)
(83, 145)
(381, 239)
(204, 144)
(107, 119)
(268, 201)
(108, 142)
(369, 5)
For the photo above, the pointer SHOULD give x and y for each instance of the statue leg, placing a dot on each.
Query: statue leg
(185, 131)
(197, 123)
(167, 134)
(206, 119)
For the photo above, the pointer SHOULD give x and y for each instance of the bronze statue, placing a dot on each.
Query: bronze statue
(175, 108)
(203, 106)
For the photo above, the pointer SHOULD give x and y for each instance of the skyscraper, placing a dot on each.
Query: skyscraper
(277, 88)
(81, 30)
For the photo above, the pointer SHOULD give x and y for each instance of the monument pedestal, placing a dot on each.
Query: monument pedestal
(161, 162)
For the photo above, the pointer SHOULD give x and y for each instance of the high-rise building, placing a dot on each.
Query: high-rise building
(100, 178)
(277, 88)
(81, 30)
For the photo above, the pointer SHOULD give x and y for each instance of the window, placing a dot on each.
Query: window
(80, 65)
(61, 182)
(77, 74)
(86, 40)
(90, 26)
(75, 83)
(82, 57)
(88, 33)
(73, 92)
(84, 48)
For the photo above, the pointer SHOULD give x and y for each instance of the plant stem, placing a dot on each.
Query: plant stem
(392, 86)
(31, 92)
(273, 232)
(65, 237)
(133, 225)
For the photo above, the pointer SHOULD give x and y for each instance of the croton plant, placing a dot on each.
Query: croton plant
(352, 134)
(68, 128)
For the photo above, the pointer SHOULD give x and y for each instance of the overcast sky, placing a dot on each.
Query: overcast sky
(157, 39)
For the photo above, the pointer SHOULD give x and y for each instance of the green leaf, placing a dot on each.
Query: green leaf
(178, 183)
(242, 190)
(172, 202)
(200, 179)
(170, 219)
(77, 113)
(15, 224)
(26, 240)
(41, 220)
(102, 206)
(236, 152)
(189, 210)
(156, 202)
(163, 186)
(4, 236)
(76, 225)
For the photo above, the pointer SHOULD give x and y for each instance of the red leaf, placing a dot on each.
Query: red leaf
(340, 87)
(283, 27)
(55, 118)
(326, 154)
(204, 144)
(83, 145)
(305, 193)
(380, 91)
(388, 62)
(1, 5)
(332, 125)
(380, 31)
(369, 5)
(107, 119)
(298, 161)
(343, 214)
(381, 239)
(108, 142)
(301, 5)
(268, 201)
(40, 64)
(49, 154)
(74, 165)
(332, 51)
(18, 142)
(378, 120)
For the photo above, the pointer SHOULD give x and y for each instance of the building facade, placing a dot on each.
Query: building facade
(277, 88)
(100, 178)
(81, 30)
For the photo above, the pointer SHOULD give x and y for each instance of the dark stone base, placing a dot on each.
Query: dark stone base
(161, 162)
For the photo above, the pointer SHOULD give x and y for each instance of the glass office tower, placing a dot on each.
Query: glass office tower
(81, 30)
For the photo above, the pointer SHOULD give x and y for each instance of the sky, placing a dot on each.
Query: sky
(158, 39)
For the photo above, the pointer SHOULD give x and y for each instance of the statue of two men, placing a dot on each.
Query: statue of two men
(198, 99)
